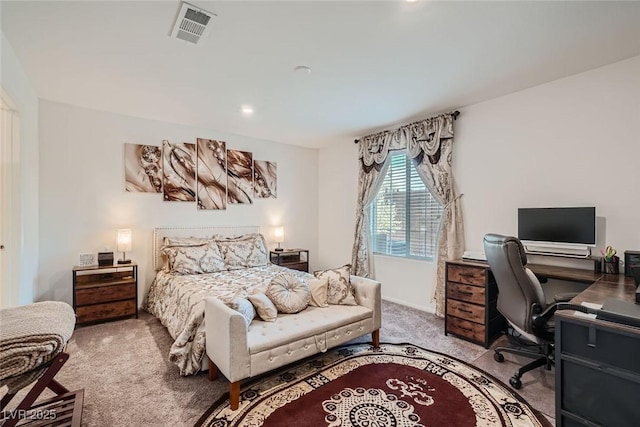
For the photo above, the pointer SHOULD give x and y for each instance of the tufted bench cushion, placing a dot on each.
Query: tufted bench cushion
(312, 321)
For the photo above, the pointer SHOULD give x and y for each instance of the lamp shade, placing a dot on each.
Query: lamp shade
(124, 240)
(278, 234)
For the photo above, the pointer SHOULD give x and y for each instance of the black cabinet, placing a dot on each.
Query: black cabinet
(597, 373)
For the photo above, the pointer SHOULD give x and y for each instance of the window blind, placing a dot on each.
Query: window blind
(405, 217)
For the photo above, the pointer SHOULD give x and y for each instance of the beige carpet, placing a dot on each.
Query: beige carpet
(128, 380)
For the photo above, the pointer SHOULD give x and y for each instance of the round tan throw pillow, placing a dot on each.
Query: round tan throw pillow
(288, 293)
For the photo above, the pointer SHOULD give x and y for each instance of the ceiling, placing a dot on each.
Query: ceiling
(374, 64)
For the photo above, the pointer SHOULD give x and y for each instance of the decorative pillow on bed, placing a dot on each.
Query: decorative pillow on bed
(267, 311)
(185, 241)
(249, 250)
(340, 291)
(288, 293)
(244, 307)
(319, 288)
(203, 258)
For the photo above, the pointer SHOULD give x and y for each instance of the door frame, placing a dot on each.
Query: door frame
(10, 202)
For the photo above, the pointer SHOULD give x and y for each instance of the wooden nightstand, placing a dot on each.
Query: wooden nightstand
(105, 293)
(295, 259)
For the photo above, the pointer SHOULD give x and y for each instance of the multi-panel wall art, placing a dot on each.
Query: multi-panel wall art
(206, 173)
(142, 170)
(264, 179)
(212, 174)
(179, 171)
(240, 172)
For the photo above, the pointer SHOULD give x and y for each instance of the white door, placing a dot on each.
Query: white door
(9, 140)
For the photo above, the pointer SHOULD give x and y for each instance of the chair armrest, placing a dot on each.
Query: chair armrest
(368, 294)
(565, 297)
(539, 320)
(226, 340)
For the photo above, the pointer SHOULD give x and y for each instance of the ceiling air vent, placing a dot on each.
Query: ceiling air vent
(192, 23)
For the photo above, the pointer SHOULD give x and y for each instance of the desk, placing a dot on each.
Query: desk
(597, 361)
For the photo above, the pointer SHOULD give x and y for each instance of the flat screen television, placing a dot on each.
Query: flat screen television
(575, 226)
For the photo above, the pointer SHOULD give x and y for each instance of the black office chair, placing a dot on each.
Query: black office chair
(521, 300)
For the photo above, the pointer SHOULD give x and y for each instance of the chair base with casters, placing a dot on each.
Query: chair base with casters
(542, 352)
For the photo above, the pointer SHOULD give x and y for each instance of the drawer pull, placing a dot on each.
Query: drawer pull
(465, 293)
(465, 310)
(471, 275)
(466, 329)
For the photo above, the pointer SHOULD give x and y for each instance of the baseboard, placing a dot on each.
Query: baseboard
(427, 309)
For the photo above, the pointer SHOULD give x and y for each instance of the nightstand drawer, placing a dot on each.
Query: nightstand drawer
(468, 293)
(470, 275)
(464, 328)
(302, 266)
(89, 313)
(105, 294)
(470, 312)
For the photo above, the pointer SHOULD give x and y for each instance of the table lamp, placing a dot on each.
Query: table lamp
(278, 237)
(124, 244)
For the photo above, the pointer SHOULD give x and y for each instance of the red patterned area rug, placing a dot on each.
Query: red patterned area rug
(394, 385)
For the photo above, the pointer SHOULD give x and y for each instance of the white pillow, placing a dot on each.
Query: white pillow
(288, 293)
(244, 307)
(267, 311)
(340, 291)
(319, 288)
(203, 258)
(249, 250)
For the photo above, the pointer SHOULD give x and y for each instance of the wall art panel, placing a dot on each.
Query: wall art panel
(212, 174)
(265, 179)
(142, 168)
(179, 171)
(240, 172)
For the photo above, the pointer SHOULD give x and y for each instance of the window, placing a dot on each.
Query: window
(405, 217)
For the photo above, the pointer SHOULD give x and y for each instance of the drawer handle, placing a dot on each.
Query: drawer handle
(468, 275)
(466, 329)
(465, 293)
(465, 310)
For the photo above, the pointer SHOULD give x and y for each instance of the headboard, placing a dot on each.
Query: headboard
(160, 233)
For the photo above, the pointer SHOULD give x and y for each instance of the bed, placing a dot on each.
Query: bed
(177, 300)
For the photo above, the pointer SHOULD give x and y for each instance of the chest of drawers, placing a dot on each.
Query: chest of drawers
(471, 298)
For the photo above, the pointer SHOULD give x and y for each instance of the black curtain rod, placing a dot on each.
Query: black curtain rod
(455, 115)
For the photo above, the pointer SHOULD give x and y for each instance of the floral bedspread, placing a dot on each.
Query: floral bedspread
(178, 301)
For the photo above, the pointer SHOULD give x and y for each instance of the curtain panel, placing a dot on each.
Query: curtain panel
(429, 144)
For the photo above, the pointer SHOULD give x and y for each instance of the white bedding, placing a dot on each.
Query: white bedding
(178, 301)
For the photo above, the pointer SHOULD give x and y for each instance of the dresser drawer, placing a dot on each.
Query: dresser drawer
(463, 310)
(468, 293)
(105, 294)
(464, 328)
(89, 313)
(470, 275)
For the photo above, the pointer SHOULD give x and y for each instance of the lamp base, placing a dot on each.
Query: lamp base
(124, 261)
(278, 249)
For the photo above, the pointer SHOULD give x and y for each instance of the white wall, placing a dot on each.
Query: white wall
(83, 202)
(571, 142)
(25, 163)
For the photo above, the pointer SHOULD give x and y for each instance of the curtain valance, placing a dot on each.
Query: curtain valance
(424, 136)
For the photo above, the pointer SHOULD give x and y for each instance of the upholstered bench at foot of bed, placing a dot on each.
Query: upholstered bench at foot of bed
(240, 353)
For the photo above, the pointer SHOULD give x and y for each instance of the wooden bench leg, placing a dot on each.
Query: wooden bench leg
(213, 370)
(234, 395)
(375, 338)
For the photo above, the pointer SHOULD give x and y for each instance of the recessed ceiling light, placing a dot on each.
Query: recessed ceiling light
(302, 69)
(246, 109)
